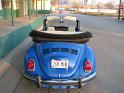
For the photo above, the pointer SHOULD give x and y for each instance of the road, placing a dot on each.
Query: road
(108, 45)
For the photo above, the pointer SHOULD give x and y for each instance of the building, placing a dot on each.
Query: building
(21, 8)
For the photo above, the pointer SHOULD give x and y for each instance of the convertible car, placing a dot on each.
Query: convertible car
(60, 56)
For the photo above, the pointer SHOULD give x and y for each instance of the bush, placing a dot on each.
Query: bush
(122, 18)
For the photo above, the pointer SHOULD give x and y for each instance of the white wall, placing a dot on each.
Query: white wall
(100, 10)
(0, 5)
(14, 4)
(25, 4)
(47, 5)
(38, 5)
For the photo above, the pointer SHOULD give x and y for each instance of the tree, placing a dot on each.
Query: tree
(76, 5)
(54, 2)
(109, 5)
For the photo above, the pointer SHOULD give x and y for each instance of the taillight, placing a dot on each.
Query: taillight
(31, 65)
(87, 66)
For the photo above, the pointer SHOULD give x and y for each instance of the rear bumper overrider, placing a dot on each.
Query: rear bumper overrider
(59, 82)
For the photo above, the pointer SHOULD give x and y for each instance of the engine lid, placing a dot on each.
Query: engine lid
(60, 60)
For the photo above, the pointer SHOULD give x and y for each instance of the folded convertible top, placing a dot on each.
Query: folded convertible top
(77, 37)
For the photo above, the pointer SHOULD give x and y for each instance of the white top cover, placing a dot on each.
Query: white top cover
(52, 17)
(70, 18)
(66, 18)
(61, 32)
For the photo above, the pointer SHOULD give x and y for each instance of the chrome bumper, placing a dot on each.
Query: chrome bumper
(58, 82)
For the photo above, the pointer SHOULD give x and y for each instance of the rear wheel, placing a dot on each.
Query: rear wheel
(38, 81)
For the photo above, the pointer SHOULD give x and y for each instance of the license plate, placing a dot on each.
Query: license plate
(59, 63)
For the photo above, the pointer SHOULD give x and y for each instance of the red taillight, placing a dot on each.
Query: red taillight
(31, 65)
(87, 66)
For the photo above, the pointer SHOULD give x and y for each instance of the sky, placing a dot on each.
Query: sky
(116, 2)
(102, 1)
(105, 1)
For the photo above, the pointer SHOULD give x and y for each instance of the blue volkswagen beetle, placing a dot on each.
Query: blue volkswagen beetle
(60, 58)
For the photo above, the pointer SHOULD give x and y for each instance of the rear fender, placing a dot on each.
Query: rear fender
(31, 54)
(89, 55)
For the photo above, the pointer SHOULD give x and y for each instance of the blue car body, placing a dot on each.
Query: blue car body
(43, 59)
(76, 53)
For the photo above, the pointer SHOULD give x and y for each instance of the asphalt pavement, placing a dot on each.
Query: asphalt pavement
(108, 45)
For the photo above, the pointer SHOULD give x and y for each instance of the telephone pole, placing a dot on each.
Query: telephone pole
(12, 15)
(29, 9)
(119, 10)
(36, 9)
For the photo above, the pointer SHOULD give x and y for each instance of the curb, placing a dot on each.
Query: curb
(4, 66)
(9, 60)
(18, 49)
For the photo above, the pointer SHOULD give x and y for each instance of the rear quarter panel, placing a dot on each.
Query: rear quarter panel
(89, 55)
(31, 54)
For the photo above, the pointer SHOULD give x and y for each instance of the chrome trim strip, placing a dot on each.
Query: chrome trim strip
(27, 77)
(69, 82)
(88, 78)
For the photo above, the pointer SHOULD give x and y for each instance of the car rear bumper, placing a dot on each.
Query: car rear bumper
(59, 82)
